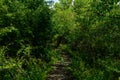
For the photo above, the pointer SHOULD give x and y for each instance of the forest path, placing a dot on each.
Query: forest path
(60, 71)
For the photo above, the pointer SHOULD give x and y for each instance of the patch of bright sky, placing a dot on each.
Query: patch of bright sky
(55, 0)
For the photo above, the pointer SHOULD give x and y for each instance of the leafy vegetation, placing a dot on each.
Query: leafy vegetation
(32, 36)
(25, 28)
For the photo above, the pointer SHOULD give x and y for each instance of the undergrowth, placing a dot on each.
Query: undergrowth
(25, 69)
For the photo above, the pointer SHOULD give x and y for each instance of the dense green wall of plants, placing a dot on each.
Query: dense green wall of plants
(92, 37)
(32, 36)
(25, 27)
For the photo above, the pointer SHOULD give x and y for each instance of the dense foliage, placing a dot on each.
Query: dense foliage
(24, 38)
(98, 40)
(92, 37)
(32, 35)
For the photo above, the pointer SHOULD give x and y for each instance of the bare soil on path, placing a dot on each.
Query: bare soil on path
(61, 71)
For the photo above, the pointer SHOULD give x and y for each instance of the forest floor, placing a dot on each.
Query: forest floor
(61, 71)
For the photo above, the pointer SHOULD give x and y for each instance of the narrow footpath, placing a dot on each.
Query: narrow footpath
(60, 71)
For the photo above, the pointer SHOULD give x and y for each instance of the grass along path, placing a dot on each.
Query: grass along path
(61, 71)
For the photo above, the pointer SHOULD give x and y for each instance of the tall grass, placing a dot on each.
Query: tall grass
(101, 69)
(25, 69)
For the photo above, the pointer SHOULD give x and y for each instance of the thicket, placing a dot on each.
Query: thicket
(32, 35)
(90, 31)
(25, 52)
(98, 41)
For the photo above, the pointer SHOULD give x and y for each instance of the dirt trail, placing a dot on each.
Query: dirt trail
(60, 71)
